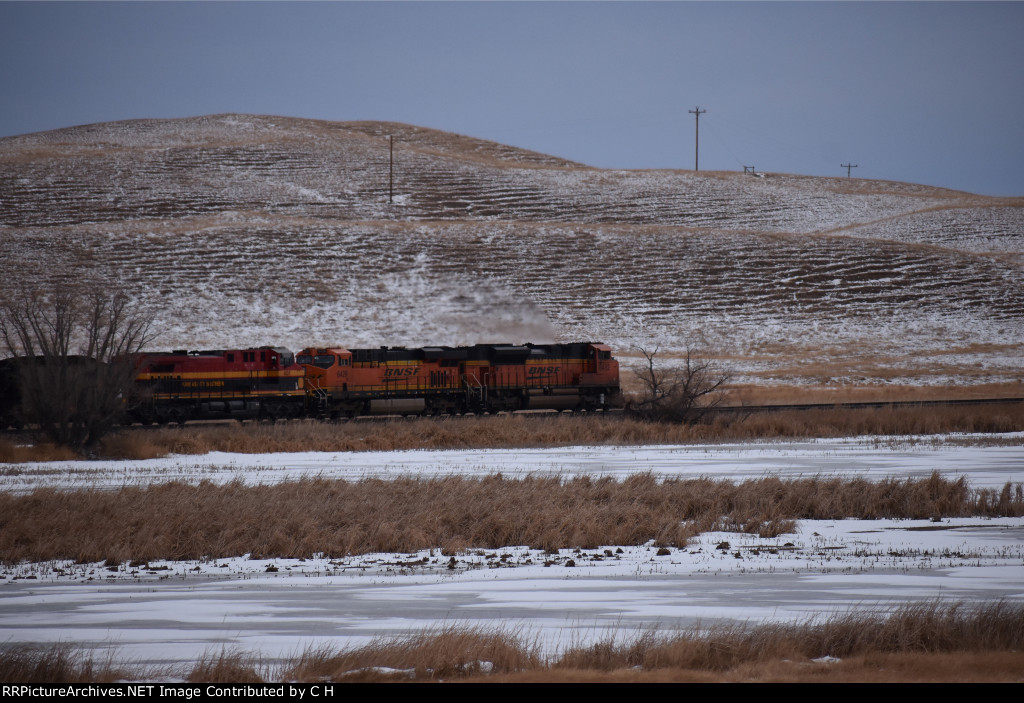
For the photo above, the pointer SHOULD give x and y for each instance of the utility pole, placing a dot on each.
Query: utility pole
(848, 167)
(696, 151)
(391, 169)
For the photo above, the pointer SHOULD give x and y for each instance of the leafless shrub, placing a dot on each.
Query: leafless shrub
(74, 348)
(683, 394)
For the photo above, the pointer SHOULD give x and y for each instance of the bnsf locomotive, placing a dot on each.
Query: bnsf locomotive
(270, 382)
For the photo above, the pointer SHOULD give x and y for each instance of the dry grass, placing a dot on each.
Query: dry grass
(543, 430)
(337, 518)
(11, 453)
(445, 653)
(853, 422)
(919, 628)
(961, 667)
(918, 642)
(750, 394)
(55, 663)
(227, 666)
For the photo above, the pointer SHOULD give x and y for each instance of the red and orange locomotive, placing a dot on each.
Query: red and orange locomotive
(179, 386)
(269, 382)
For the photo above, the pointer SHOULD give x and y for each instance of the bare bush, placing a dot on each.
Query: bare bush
(74, 351)
(682, 394)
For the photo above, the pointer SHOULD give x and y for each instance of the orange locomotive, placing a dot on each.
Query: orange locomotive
(450, 380)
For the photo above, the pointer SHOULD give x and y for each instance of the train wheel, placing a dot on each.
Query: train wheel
(272, 411)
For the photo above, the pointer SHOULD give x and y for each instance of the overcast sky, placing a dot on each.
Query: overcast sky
(924, 92)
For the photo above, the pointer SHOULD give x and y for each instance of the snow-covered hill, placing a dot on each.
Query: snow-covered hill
(244, 230)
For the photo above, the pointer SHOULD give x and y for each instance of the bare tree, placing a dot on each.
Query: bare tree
(74, 349)
(684, 393)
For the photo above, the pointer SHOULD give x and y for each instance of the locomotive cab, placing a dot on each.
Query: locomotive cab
(602, 365)
(328, 380)
(326, 369)
(181, 385)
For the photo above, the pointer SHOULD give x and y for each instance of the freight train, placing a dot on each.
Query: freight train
(336, 382)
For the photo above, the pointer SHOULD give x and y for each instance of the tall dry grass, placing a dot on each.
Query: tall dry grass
(16, 453)
(334, 517)
(929, 641)
(930, 627)
(226, 666)
(56, 663)
(440, 653)
(543, 430)
(784, 394)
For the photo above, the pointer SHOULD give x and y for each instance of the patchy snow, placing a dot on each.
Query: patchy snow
(771, 306)
(258, 230)
(244, 230)
(170, 612)
(989, 461)
(167, 612)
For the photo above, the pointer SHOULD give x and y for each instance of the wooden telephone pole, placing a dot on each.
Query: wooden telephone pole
(696, 151)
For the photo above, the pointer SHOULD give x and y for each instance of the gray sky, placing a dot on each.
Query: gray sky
(923, 92)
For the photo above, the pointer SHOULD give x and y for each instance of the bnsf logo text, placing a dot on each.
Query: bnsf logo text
(543, 370)
(402, 372)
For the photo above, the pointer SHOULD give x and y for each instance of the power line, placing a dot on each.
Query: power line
(712, 130)
(848, 167)
(764, 139)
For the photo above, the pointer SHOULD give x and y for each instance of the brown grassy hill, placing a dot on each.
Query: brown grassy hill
(243, 229)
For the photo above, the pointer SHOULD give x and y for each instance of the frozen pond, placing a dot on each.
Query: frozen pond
(173, 612)
(870, 457)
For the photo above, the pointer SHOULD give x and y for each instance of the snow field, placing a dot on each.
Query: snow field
(170, 612)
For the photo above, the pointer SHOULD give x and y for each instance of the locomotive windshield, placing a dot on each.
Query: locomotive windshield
(323, 361)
